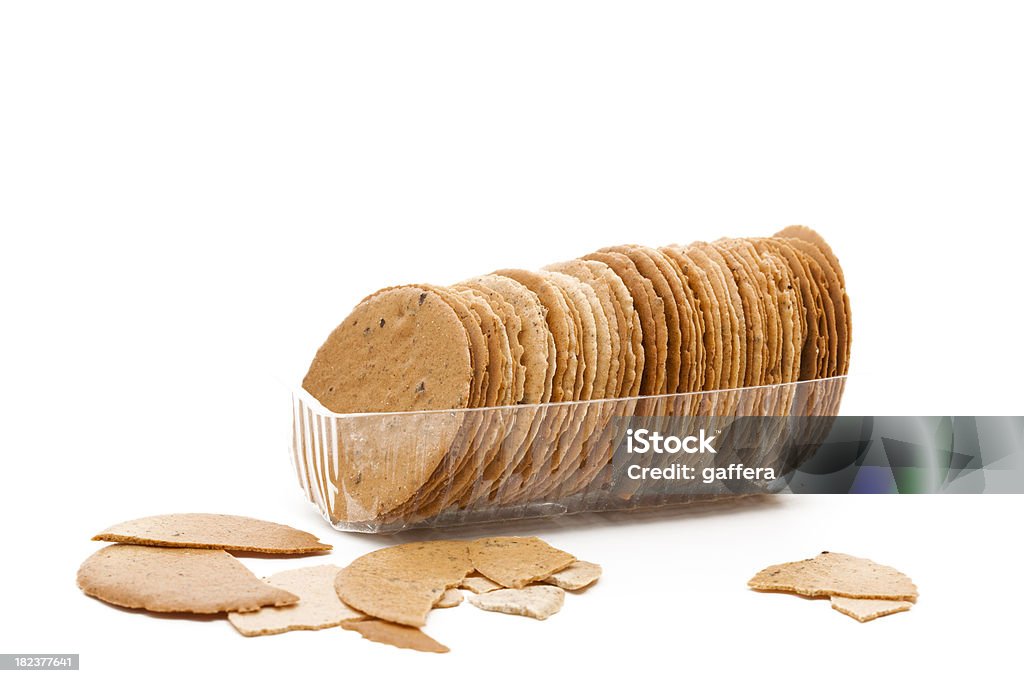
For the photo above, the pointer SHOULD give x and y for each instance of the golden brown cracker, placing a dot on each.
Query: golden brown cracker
(402, 583)
(398, 635)
(400, 349)
(836, 574)
(515, 561)
(223, 532)
(534, 336)
(559, 322)
(649, 270)
(650, 310)
(195, 580)
(706, 304)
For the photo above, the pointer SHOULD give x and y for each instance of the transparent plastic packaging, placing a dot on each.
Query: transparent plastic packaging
(387, 472)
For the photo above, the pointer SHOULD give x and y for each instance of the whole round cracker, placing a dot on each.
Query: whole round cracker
(479, 351)
(194, 580)
(753, 314)
(647, 268)
(812, 244)
(691, 376)
(839, 574)
(708, 258)
(630, 331)
(402, 349)
(591, 337)
(790, 307)
(487, 352)
(566, 327)
(512, 325)
(319, 606)
(691, 318)
(705, 300)
(828, 360)
(813, 326)
(559, 323)
(606, 347)
(593, 375)
(535, 337)
(484, 432)
(538, 347)
(585, 419)
(650, 309)
(499, 351)
(773, 318)
(768, 305)
(809, 235)
(220, 532)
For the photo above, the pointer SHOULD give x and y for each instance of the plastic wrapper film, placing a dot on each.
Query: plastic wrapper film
(387, 472)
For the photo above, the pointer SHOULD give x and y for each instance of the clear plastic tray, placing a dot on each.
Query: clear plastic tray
(386, 472)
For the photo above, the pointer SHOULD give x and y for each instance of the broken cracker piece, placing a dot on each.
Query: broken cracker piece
(196, 580)
(402, 583)
(538, 602)
(450, 598)
(223, 532)
(576, 576)
(395, 634)
(836, 574)
(319, 605)
(479, 584)
(863, 609)
(515, 561)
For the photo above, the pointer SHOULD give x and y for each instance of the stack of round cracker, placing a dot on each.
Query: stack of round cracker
(553, 346)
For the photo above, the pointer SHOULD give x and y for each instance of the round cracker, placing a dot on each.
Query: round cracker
(815, 246)
(402, 349)
(711, 260)
(535, 337)
(650, 309)
(561, 325)
(674, 361)
(705, 300)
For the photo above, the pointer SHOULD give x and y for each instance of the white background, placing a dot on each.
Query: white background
(193, 194)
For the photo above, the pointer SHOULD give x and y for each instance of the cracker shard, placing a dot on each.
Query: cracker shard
(576, 576)
(867, 609)
(319, 606)
(450, 598)
(538, 602)
(479, 584)
(515, 561)
(402, 583)
(221, 532)
(195, 580)
(395, 634)
(838, 574)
